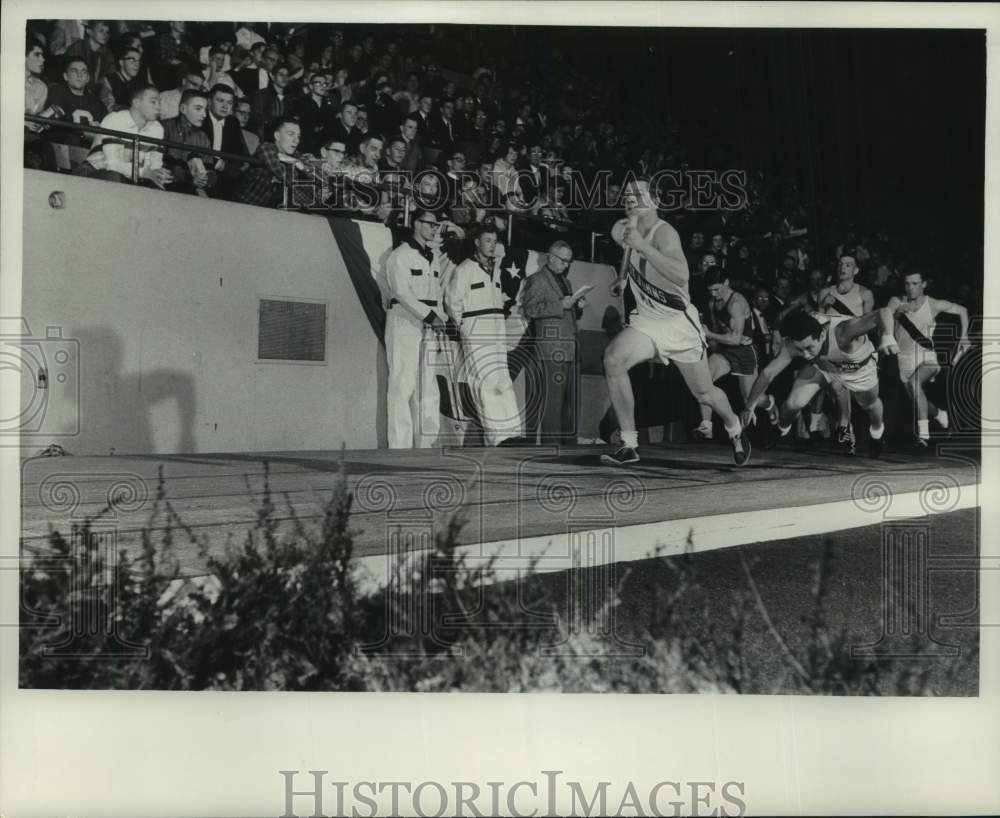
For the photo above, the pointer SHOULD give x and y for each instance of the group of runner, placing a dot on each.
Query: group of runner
(825, 333)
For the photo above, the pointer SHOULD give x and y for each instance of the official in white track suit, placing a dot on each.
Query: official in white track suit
(415, 335)
(474, 301)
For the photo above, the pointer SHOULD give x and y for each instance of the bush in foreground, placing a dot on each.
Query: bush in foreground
(284, 610)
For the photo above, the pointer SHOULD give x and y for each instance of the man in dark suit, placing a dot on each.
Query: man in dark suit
(225, 134)
(343, 127)
(408, 129)
(272, 103)
(533, 176)
(443, 132)
(424, 118)
(317, 115)
(548, 303)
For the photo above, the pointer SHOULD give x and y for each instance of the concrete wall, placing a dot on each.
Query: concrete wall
(159, 293)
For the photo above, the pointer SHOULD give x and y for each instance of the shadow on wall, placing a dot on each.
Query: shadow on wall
(116, 407)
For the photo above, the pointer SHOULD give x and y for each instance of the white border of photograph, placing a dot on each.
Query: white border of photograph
(185, 754)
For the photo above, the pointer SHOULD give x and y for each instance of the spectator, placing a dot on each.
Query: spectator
(392, 160)
(116, 89)
(341, 90)
(408, 130)
(295, 59)
(533, 179)
(428, 196)
(76, 102)
(132, 39)
(112, 159)
(36, 92)
(64, 34)
(453, 177)
(343, 126)
(326, 59)
(442, 134)
(247, 73)
(433, 81)
(253, 74)
(190, 169)
(356, 64)
(696, 248)
(424, 120)
(384, 114)
(475, 143)
(362, 171)
(760, 327)
(554, 207)
(215, 73)
(246, 38)
(226, 135)
(174, 48)
(243, 115)
(505, 171)
(270, 60)
(408, 100)
(170, 100)
(740, 266)
(361, 123)
(265, 184)
(272, 103)
(316, 116)
(94, 49)
(334, 156)
(38, 153)
(780, 297)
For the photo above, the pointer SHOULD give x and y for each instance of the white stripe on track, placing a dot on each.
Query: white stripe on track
(590, 548)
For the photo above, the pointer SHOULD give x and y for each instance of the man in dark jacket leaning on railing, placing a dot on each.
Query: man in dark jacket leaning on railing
(191, 169)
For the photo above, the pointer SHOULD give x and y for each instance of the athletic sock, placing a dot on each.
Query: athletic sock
(923, 429)
(876, 434)
(705, 426)
(630, 439)
(942, 418)
(735, 432)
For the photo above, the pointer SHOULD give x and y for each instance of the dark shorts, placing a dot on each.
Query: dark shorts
(742, 359)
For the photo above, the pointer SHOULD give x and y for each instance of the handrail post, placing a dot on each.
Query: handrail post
(135, 159)
(510, 231)
(593, 246)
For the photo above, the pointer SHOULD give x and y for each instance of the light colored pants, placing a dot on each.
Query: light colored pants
(413, 401)
(484, 351)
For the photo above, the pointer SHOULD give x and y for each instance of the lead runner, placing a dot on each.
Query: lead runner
(665, 324)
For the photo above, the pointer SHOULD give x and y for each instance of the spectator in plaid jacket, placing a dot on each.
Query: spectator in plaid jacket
(265, 184)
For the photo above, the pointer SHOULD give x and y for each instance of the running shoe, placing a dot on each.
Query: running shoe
(921, 444)
(844, 440)
(702, 432)
(741, 448)
(776, 436)
(875, 447)
(622, 457)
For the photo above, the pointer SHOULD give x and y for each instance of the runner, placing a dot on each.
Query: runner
(838, 352)
(729, 340)
(664, 325)
(918, 363)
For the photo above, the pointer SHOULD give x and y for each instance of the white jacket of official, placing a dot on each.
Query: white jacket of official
(413, 350)
(474, 301)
